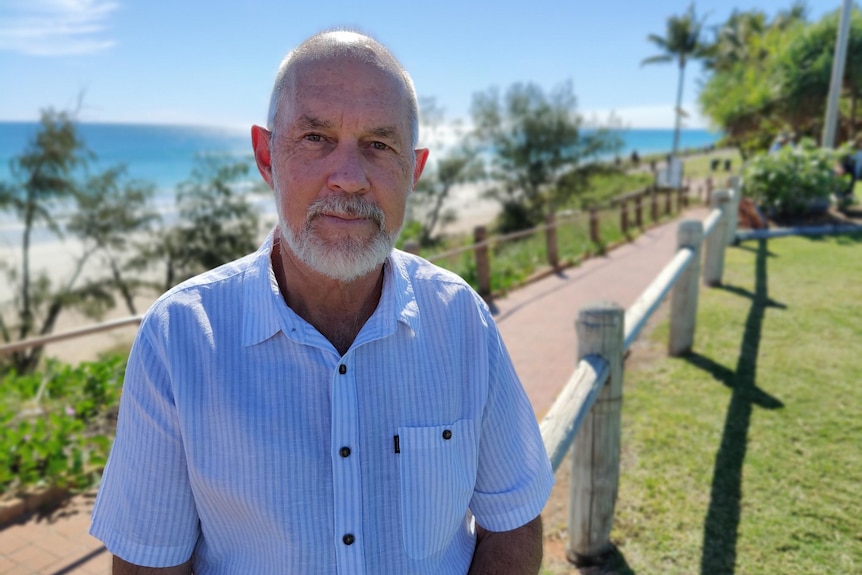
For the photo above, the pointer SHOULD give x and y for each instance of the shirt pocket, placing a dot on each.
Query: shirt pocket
(438, 474)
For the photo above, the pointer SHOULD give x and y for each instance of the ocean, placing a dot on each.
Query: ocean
(164, 155)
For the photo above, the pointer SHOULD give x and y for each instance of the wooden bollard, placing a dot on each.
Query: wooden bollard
(708, 199)
(594, 226)
(683, 301)
(733, 209)
(551, 241)
(624, 217)
(483, 262)
(716, 242)
(596, 448)
(653, 206)
(639, 211)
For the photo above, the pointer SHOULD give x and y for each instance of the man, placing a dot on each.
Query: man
(327, 404)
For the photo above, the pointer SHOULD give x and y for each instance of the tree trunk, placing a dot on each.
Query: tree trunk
(678, 116)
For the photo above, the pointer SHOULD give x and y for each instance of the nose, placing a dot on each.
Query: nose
(347, 173)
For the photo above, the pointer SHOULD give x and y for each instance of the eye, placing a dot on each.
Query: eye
(313, 137)
(379, 146)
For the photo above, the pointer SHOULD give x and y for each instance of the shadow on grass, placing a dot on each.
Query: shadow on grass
(610, 563)
(723, 516)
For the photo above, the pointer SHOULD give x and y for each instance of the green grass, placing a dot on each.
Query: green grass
(699, 166)
(746, 457)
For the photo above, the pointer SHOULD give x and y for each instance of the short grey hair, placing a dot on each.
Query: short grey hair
(333, 43)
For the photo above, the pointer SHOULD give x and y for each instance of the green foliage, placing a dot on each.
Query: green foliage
(56, 424)
(216, 222)
(769, 76)
(448, 166)
(787, 181)
(682, 40)
(535, 140)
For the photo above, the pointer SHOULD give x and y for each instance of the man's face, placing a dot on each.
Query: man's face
(343, 165)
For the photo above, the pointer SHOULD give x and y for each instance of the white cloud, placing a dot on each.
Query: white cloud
(55, 27)
(647, 116)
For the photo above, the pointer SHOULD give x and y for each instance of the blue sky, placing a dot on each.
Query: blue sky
(212, 62)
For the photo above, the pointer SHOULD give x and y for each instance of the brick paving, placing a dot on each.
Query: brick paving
(537, 324)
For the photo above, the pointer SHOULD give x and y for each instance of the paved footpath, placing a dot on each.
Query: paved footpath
(537, 324)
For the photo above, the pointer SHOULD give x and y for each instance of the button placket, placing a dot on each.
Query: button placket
(347, 491)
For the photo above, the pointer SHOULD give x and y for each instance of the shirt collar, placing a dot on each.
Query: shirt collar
(265, 313)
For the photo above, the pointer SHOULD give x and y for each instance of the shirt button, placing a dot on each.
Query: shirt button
(447, 434)
(342, 369)
(348, 539)
(345, 452)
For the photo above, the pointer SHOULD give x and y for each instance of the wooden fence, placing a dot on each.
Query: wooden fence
(586, 416)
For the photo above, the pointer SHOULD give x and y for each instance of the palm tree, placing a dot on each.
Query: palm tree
(681, 42)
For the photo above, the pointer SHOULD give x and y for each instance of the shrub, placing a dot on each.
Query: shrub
(791, 180)
(56, 425)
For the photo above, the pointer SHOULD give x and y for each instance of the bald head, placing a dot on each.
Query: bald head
(337, 44)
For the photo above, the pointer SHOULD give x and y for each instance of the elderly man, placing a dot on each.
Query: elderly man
(327, 404)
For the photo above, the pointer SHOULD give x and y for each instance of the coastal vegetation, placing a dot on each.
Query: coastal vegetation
(681, 42)
(770, 75)
(122, 237)
(541, 158)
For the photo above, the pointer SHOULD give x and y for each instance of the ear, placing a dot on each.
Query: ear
(421, 158)
(260, 142)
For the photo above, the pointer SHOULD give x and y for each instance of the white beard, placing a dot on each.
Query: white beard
(344, 259)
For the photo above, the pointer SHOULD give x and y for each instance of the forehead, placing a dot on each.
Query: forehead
(345, 89)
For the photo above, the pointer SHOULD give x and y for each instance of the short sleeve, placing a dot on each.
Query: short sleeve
(514, 476)
(145, 511)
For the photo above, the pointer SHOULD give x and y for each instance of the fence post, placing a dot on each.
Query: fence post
(708, 199)
(668, 198)
(594, 226)
(596, 448)
(624, 217)
(713, 263)
(483, 262)
(733, 209)
(653, 206)
(639, 211)
(683, 299)
(551, 241)
(681, 197)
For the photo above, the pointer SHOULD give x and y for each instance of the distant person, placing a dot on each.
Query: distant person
(780, 142)
(635, 158)
(328, 404)
(851, 165)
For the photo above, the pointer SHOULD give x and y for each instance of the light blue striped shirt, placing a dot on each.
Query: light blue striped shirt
(246, 440)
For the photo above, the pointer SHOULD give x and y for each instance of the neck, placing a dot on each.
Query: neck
(338, 310)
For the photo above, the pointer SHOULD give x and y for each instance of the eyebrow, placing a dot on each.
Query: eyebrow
(307, 122)
(310, 122)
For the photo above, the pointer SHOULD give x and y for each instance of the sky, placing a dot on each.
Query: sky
(212, 62)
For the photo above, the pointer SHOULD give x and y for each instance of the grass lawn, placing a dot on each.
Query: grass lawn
(746, 456)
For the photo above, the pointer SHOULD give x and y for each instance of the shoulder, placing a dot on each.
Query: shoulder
(219, 289)
(428, 279)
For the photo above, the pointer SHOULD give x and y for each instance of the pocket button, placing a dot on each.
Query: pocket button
(447, 434)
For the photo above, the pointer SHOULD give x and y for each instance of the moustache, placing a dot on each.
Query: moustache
(349, 206)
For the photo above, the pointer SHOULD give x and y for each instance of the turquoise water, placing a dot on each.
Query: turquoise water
(164, 155)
